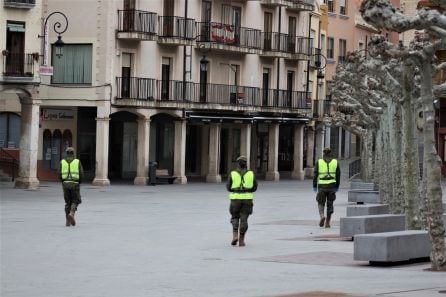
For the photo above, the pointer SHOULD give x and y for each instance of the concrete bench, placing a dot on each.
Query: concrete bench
(359, 185)
(363, 196)
(163, 174)
(367, 209)
(351, 226)
(392, 246)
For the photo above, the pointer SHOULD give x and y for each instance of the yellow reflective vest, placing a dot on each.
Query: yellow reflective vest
(241, 185)
(70, 171)
(327, 171)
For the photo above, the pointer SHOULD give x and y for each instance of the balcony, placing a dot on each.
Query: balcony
(175, 30)
(228, 38)
(136, 25)
(136, 91)
(18, 67)
(285, 46)
(293, 5)
(27, 4)
(321, 108)
(300, 5)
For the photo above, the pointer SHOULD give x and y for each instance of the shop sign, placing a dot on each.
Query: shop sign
(46, 70)
(50, 114)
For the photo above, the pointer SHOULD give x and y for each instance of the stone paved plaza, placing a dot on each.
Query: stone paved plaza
(174, 240)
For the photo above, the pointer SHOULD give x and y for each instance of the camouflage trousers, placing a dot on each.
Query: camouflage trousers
(326, 195)
(71, 195)
(240, 210)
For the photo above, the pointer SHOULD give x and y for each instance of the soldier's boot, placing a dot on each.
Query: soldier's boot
(71, 216)
(234, 237)
(241, 240)
(67, 220)
(322, 217)
(327, 221)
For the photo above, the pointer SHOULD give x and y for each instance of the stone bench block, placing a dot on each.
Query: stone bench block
(357, 185)
(363, 196)
(367, 209)
(351, 226)
(392, 246)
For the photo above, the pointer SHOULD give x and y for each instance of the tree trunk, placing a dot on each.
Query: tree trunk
(410, 162)
(433, 172)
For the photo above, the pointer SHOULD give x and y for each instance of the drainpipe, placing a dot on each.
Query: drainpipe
(184, 50)
(308, 62)
(278, 59)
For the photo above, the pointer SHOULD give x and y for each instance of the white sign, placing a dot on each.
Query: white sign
(46, 70)
(50, 114)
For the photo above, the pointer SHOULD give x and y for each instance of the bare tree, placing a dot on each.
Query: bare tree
(382, 15)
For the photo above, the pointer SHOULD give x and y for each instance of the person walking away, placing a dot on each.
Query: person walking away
(326, 180)
(241, 184)
(71, 174)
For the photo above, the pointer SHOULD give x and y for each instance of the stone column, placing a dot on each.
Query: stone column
(298, 155)
(245, 142)
(310, 150)
(213, 175)
(205, 150)
(347, 145)
(29, 139)
(102, 137)
(253, 159)
(339, 143)
(273, 153)
(142, 170)
(179, 165)
(327, 140)
(320, 133)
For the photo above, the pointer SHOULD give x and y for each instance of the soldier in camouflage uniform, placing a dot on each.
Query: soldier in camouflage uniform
(71, 174)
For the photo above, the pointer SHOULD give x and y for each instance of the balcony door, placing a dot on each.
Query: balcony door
(267, 30)
(168, 19)
(291, 40)
(265, 86)
(165, 78)
(126, 73)
(290, 87)
(15, 46)
(129, 15)
(206, 16)
(203, 82)
(236, 23)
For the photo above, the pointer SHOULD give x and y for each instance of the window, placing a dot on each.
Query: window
(74, 66)
(343, 7)
(330, 5)
(9, 130)
(330, 48)
(323, 46)
(342, 49)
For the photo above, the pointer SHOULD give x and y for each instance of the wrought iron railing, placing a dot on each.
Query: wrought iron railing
(285, 43)
(8, 163)
(136, 21)
(321, 108)
(354, 168)
(174, 27)
(18, 64)
(148, 89)
(20, 3)
(228, 35)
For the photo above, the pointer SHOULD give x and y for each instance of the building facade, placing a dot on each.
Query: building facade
(347, 32)
(188, 84)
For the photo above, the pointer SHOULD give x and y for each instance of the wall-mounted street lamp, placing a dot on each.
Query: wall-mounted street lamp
(204, 64)
(59, 29)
